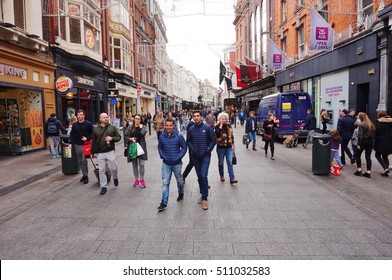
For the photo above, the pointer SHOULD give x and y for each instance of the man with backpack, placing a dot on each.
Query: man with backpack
(53, 127)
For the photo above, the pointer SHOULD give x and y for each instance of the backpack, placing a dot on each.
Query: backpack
(52, 128)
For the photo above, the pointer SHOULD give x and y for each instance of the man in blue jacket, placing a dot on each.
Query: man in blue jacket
(172, 148)
(201, 140)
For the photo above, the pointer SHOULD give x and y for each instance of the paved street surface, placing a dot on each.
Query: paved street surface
(278, 210)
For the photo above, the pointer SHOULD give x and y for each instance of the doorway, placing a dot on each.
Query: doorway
(363, 98)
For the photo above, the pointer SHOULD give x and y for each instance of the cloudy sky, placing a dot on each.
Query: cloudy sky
(198, 31)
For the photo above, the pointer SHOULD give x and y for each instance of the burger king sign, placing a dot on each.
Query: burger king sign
(63, 84)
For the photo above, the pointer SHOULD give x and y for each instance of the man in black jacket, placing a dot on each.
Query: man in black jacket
(81, 132)
(310, 125)
(346, 128)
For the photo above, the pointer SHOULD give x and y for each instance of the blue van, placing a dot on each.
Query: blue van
(289, 108)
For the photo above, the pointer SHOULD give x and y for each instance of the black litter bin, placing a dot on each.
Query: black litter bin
(321, 154)
(69, 161)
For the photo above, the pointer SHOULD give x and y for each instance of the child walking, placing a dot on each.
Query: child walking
(335, 144)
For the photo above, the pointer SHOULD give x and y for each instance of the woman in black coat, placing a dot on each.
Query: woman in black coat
(269, 134)
(383, 140)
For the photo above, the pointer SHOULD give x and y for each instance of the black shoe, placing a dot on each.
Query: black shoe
(303, 145)
(82, 179)
(180, 197)
(358, 173)
(367, 175)
(115, 182)
(385, 173)
(352, 160)
(85, 180)
(103, 191)
(162, 207)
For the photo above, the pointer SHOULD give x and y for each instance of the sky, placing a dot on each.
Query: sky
(197, 32)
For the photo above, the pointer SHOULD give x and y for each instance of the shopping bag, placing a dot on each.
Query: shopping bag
(139, 149)
(132, 150)
(245, 139)
(87, 148)
(335, 169)
(234, 161)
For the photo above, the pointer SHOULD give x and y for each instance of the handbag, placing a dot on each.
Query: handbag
(234, 161)
(245, 139)
(139, 150)
(267, 137)
(132, 150)
(87, 148)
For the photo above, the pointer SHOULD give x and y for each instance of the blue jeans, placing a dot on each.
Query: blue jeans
(252, 137)
(167, 171)
(201, 167)
(228, 152)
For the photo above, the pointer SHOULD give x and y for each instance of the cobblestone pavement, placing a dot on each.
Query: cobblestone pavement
(278, 210)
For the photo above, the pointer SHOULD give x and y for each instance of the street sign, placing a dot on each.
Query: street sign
(113, 93)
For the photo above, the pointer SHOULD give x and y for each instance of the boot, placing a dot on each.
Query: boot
(254, 147)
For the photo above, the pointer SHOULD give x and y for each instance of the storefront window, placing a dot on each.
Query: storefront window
(21, 120)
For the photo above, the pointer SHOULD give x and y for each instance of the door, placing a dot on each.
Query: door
(363, 98)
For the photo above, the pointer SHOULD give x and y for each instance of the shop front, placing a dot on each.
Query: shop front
(26, 100)
(80, 84)
(146, 100)
(123, 105)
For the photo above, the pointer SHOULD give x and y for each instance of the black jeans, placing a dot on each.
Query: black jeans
(383, 160)
(346, 150)
(368, 153)
(324, 127)
(188, 167)
(271, 145)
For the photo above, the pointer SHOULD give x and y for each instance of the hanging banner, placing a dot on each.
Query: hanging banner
(321, 33)
(277, 58)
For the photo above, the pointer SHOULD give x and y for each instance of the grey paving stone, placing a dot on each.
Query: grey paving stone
(181, 248)
(175, 234)
(129, 223)
(273, 249)
(125, 256)
(240, 235)
(337, 225)
(162, 257)
(364, 249)
(272, 235)
(230, 215)
(258, 257)
(243, 248)
(213, 248)
(116, 246)
(153, 247)
(146, 234)
(103, 223)
(262, 206)
(226, 257)
(204, 235)
(204, 224)
(289, 224)
(360, 235)
(297, 235)
(227, 224)
(351, 215)
(273, 216)
(196, 257)
(325, 215)
(297, 215)
(364, 224)
(332, 236)
(290, 258)
(184, 224)
(341, 249)
(115, 234)
(157, 223)
(308, 249)
(257, 224)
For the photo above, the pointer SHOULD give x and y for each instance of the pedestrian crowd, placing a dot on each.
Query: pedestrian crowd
(204, 131)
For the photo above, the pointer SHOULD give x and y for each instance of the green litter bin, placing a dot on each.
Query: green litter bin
(69, 160)
(321, 154)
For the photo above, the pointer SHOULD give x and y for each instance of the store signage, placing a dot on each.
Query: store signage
(139, 89)
(13, 71)
(73, 9)
(85, 81)
(113, 93)
(63, 84)
(90, 41)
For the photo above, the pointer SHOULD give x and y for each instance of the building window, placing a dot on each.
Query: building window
(120, 12)
(35, 76)
(46, 78)
(284, 44)
(74, 31)
(120, 53)
(365, 9)
(19, 13)
(284, 10)
(301, 41)
(324, 12)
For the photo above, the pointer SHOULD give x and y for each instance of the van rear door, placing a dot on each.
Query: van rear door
(293, 111)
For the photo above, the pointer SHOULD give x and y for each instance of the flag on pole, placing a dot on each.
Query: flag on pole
(277, 58)
(228, 84)
(240, 83)
(321, 33)
(222, 72)
(254, 69)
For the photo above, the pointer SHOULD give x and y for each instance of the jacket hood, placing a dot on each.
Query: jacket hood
(174, 133)
(386, 119)
(52, 119)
